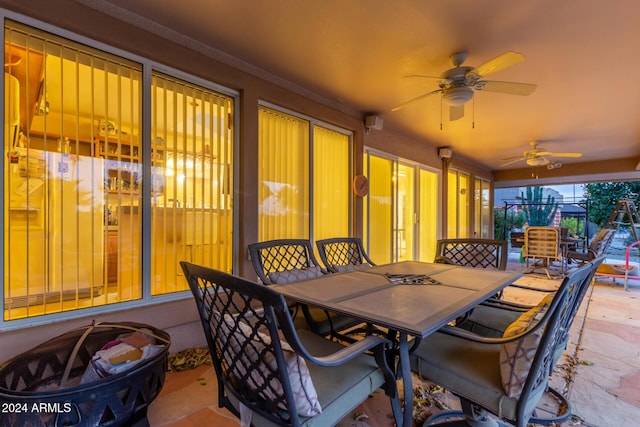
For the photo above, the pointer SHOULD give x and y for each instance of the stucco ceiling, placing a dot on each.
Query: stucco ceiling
(355, 54)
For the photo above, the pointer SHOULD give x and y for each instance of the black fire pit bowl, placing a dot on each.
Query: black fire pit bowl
(41, 387)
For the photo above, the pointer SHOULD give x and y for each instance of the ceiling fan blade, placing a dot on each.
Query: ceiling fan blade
(498, 63)
(511, 88)
(513, 160)
(404, 104)
(456, 112)
(421, 76)
(565, 155)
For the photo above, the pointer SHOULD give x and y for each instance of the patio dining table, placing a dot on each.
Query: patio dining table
(411, 299)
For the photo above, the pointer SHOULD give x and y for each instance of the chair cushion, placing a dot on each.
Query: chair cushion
(489, 321)
(468, 369)
(294, 275)
(340, 388)
(304, 392)
(516, 356)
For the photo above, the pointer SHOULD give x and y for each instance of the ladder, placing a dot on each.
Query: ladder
(625, 213)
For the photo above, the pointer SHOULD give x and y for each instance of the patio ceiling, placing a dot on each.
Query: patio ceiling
(355, 54)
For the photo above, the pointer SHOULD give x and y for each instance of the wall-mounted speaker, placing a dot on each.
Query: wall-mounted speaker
(373, 122)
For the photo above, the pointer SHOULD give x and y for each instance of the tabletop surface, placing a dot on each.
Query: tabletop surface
(379, 295)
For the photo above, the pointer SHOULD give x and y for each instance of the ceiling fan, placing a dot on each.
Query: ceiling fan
(538, 157)
(458, 84)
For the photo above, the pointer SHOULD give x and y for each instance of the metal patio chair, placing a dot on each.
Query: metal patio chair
(493, 318)
(341, 254)
(505, 376)
(483, 253)
(288, 260)
(268, 373)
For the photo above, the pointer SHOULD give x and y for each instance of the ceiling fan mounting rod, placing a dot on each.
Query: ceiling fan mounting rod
(458, 58)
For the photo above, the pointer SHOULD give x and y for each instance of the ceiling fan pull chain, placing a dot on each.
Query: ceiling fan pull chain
(441, 96)
(473, 113)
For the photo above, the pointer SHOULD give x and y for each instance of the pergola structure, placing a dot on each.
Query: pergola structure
(579, 210)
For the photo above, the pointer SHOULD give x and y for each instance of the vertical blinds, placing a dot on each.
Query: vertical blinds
(73, 193)
(304, 176)
(74, 176)
(283, 176)
(192, 157)
(331, 189)
(400, 194)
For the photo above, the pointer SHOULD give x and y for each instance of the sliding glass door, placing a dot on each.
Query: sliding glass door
(401, 210)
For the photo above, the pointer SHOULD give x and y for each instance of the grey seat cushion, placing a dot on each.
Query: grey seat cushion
(340, 389)
(467, 369)
(321, 324)
(489, 321)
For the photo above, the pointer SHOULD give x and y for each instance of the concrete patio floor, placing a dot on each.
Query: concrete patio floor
(599, 372)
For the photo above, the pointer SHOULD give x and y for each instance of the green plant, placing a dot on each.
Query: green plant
(514, 220)
(537, 211)
(603, 196)
(572, 224)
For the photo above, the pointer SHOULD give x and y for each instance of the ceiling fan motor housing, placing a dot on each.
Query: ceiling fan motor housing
(457, 85)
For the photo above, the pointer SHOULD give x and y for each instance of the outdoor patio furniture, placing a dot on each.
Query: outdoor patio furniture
(341, 254)
(411, 299)
(493, 318)
(484, 253)
(268, 374)
(503, 376)
(541, 248)
(597, 248)
(517, 239)
(476, 253)
(289, 260)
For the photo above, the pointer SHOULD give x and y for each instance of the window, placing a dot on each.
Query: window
(401, 210)
(290, 168)
(74, 171)
(459, 208)
(482, 210)
(428, 214)
(404, 234)
(331, 184)
(191, 153)
(81, 172)
(379, 205)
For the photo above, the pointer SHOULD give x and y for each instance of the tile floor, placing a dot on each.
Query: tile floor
(604, 390)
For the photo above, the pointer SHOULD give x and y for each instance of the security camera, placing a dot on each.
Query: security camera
(445, 153)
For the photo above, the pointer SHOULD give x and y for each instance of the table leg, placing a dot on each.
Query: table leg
(565, 261)
(404, 368)
(402, 365)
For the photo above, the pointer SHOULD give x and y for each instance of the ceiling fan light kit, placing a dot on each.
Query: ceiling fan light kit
(537, 161)
(457, 95)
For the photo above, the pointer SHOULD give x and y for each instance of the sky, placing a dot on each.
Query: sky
(569, 190)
